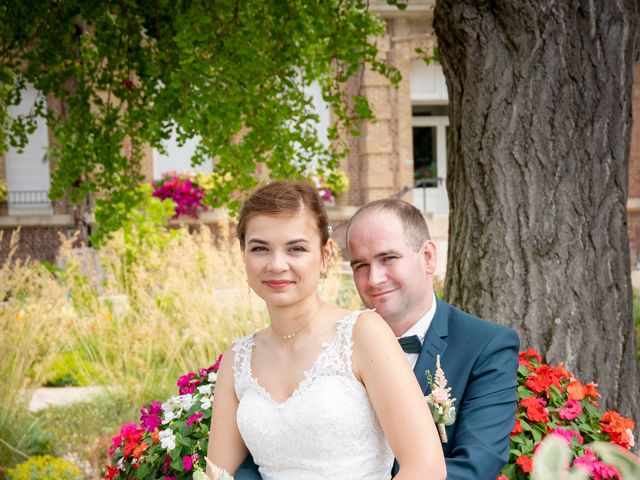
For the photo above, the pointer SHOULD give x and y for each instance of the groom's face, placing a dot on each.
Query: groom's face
(390, 276)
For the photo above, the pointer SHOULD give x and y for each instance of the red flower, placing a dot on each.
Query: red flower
(112, 473)
(619, 428)
(526, 463)
(530, 354)
(575, 390)
(536, 411)
(502, 477)
(543, 377)
(137, 453)
(590, 390)
(561, 372)
(517, 428)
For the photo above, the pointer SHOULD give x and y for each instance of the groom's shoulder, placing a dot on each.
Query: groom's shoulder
(472, 326)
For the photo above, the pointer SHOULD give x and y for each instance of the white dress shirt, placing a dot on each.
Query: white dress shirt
(420, 329)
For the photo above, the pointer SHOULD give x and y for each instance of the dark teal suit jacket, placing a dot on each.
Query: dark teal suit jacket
(480, 360)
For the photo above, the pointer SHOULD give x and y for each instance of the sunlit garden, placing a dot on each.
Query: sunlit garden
(151, 304)
(145, 318)
(504, 124)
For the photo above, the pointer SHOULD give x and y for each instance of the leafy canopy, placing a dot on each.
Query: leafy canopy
(125, 74)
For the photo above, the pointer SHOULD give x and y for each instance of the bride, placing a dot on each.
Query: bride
(321, 393)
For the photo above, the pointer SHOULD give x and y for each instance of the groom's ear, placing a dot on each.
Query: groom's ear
(429, 256)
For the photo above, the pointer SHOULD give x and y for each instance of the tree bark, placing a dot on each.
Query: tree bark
(539, 135)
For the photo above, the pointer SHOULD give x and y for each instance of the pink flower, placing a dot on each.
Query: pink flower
(193, 418)
(150, 416)
(187, 386)
(165, 463)
(188, 461)
(596, 468)
(204, 372)
(568, 435)
(570, 411)
(439, 395)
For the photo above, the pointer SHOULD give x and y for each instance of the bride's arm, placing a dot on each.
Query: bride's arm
(226, 448)
(378, 361)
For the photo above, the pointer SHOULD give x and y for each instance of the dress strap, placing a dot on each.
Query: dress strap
(337, 356)
(242, 349)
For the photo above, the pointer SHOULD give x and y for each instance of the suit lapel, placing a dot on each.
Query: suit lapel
(434, 344)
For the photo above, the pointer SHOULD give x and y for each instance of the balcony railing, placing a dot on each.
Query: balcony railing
(28, 197)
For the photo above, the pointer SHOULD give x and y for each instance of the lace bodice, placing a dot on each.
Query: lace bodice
(326, 429)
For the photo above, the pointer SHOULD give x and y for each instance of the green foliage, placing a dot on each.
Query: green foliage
(4, 191)
(21, 435)
(232, 74)
(43, 468)
(142, 224)
(69, 369)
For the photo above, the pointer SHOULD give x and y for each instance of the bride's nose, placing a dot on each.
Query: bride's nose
(277, 263)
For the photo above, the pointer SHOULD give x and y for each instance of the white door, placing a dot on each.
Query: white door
(430, 164)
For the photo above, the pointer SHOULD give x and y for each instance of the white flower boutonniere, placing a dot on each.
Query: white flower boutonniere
(440, 401)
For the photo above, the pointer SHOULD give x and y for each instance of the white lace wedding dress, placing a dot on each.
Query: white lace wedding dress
(326, 430)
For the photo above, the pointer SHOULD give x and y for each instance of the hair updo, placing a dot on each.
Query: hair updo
(284, 198)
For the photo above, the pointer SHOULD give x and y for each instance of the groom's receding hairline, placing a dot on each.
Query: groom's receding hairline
(413, 223)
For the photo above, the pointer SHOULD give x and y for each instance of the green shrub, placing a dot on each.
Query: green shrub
(45, 467)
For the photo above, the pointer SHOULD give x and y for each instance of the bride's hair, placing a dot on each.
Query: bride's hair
(281, 198)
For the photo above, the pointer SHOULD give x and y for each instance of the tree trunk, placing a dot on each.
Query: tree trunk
(539, 135)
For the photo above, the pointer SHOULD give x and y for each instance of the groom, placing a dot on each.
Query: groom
(393, 261)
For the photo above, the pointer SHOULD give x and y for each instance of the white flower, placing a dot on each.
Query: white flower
(205, 389)
(629, 437)
(169, 414)
(186, 401)
(205, 402)
(213, 376)
(167, 439)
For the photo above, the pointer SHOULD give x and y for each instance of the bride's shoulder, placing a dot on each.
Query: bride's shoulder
(370, 328)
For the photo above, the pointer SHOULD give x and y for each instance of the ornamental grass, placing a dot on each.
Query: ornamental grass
(151, 303)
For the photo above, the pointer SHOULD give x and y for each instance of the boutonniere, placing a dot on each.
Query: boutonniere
(440, 401)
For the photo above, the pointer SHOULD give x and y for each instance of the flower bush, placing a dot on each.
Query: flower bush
(553, 402)
(171, 440)
(185, 191)
(337, 182)
(44, 467)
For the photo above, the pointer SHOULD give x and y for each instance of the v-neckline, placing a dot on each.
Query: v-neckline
(306, 374)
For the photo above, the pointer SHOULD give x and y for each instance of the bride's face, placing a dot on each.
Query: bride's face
(283, 257)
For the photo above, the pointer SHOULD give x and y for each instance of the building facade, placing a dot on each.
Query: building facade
(402, 154)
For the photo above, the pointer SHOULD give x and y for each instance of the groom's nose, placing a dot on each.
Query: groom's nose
(377, 275)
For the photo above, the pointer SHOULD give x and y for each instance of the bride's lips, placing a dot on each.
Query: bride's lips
(277, 284)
